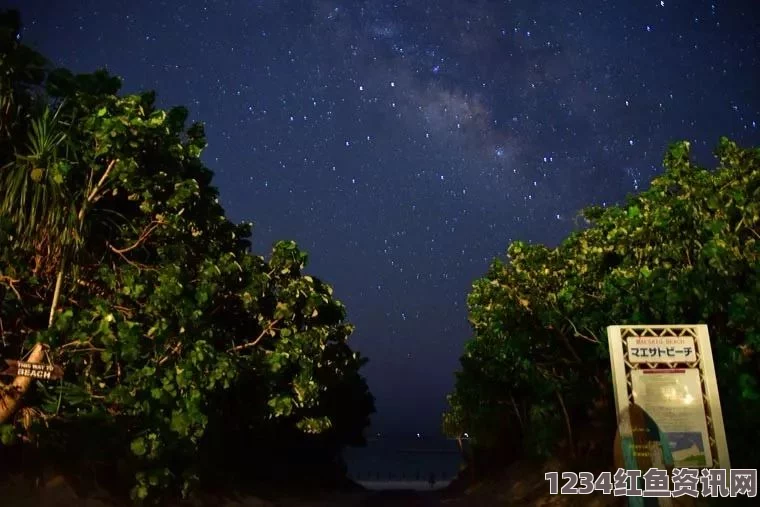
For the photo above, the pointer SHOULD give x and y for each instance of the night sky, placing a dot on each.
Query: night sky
(405, 144)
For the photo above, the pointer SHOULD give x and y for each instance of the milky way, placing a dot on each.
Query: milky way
(405, 144)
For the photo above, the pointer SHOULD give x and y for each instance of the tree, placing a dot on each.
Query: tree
(685, 250)
(33, 200)
(117, 262)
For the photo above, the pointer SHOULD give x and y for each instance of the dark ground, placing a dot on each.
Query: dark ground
(400, 499)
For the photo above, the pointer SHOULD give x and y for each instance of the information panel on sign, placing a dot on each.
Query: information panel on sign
(673, 398)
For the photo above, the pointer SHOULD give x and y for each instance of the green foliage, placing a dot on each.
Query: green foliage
(7, 434)
(171, 334)
(687, 250)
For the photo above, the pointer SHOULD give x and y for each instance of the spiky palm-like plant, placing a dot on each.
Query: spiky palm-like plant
(34, 196)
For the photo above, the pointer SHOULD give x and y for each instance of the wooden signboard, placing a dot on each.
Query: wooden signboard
(32, 370)
(667, 371)
(667, 403)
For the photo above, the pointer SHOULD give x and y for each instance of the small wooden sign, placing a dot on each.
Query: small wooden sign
(32, 370)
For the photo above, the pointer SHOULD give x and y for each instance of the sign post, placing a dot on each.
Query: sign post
(666, 390)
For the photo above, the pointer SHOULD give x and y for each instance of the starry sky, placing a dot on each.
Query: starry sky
(404, 144)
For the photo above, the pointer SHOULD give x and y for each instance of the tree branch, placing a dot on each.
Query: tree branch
(90, 349)
(87, 346)
(102, 180)
(591, 333)
(127, 312)
(174, 350)
(75, 343)
(10, 281)
(127, 260)
(269, 327)
(143, 236)
(570, 347)
(579, 334)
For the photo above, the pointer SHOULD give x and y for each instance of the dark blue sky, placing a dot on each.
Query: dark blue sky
(405, 144)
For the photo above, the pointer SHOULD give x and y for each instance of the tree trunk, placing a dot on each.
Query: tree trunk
(517, 412)
(570, 441)
(56, 295)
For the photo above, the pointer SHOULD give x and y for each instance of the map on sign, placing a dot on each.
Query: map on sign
(661, 349)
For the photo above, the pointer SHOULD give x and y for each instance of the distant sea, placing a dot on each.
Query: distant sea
(404, 463)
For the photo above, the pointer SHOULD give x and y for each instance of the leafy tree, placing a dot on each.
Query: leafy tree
(685, 250)
(117, 262)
